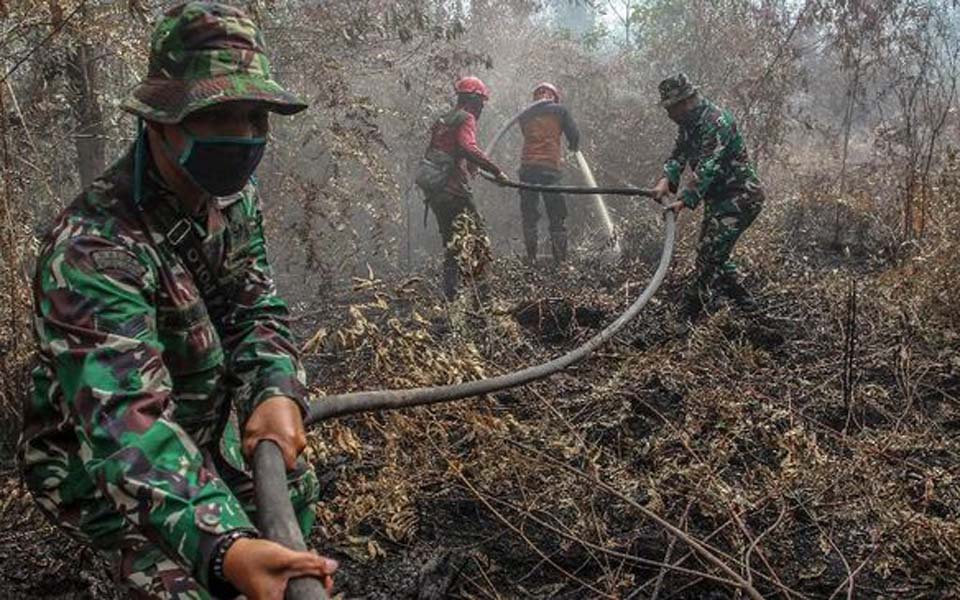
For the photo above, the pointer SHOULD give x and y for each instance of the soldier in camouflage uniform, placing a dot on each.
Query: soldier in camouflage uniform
(709, 142)
(164, 350)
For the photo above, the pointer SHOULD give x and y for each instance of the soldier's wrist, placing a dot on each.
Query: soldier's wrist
(219, 585)
(288, 386)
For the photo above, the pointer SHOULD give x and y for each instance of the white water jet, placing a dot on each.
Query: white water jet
(600, 204)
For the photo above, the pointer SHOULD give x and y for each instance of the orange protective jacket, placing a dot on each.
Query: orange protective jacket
(542, 127)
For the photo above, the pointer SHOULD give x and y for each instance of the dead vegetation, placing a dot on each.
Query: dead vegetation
(812, 452)
(808, 453)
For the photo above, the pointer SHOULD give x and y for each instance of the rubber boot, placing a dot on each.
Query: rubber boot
(733, 289)
(558, 242)
(530, 243)
(694, 304)
(451, 273)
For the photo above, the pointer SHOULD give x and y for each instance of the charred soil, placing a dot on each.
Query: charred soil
(812, 447)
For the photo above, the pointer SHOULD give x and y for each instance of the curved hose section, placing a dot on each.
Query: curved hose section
(341, 405)
(275, 513)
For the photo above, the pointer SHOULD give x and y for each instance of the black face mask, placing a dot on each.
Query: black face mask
(474, 106)
(221, 165)
(687, 118)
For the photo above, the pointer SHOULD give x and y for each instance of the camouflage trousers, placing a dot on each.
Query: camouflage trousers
(724, 221)
(556, 208)
(140, 568)
(466, 245)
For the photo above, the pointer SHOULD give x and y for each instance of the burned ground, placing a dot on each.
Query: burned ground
(747, 432)
(812, 450)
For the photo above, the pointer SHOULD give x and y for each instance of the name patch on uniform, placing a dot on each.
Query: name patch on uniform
(117, 261)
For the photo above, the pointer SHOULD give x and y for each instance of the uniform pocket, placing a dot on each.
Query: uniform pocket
(190, 341)
(194, 357)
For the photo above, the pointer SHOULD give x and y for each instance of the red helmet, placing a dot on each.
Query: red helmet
(472, 85)
(547, 86)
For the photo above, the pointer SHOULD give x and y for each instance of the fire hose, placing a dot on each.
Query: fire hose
(275, 513)
(569, 189)
(341, 405)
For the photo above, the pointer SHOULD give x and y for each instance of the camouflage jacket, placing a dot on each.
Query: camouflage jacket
(710, 143)
(138, 374)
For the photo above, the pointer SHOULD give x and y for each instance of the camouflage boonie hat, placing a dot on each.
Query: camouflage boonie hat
(202, 54)
(675, 89)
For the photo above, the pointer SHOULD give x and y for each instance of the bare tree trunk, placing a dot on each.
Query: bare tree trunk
(11, 326)
(937, 113)
(847, 126)
(627, 9)
(90, 134)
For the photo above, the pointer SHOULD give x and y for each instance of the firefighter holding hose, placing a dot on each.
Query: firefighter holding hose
(724, 180)
(451, 160)
(540, 163)
(165, 355)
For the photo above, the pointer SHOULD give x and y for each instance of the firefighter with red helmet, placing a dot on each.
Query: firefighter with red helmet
(542, 126)
(451, 160)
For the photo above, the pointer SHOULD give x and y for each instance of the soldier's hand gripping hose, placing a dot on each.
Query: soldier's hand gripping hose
(274, 437)
(661, 189)
(279, 420)
(278, 522)
(261, 569)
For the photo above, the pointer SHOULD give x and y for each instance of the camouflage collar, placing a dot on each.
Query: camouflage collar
(149, 188)
(693, 115)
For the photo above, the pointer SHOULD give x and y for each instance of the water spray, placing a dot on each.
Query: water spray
(600, 204)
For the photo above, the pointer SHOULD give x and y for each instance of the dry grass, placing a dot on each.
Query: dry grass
(809, 478)
(812, 452)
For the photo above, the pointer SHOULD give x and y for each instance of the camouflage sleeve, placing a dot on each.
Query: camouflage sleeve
(675, 164)
(256, 333)
(716, 138)
(97, 325)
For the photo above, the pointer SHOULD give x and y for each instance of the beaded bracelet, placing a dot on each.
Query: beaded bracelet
(220, 552)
